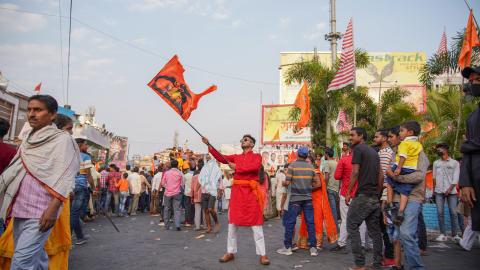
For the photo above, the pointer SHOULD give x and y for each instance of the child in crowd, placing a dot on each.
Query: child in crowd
(406, 161)
(123, 188)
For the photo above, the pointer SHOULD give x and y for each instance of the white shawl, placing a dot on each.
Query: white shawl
(50, 155)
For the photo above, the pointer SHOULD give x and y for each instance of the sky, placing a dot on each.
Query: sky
(117, 46)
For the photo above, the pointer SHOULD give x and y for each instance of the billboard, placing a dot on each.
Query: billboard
(390, 69)
(118, 151)
(277, 128)
(386, 70)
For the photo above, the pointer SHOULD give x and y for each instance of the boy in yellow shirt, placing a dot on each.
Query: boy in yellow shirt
(406, 161)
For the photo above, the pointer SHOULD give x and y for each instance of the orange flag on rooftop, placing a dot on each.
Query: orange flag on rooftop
(303, 102)
(170, 85)
(470, 40)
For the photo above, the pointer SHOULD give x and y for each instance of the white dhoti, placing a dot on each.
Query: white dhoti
(257, 236)
(469, 236)
(343, 235)
(278, 197)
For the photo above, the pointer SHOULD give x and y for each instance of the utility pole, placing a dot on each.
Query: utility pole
(333, 36)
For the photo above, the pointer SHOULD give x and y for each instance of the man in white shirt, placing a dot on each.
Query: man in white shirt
(446, 173)
(135, 182)
(187, 198)
(157, 178)
(281, 177)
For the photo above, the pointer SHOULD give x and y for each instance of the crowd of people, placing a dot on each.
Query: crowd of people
(371, 195)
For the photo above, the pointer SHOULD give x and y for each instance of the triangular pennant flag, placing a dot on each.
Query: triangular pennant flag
(170, 85)
(276, 137)
(37, 88)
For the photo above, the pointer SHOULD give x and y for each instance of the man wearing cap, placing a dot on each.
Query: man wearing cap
(302, 179)
(470, 166)
(246, 200)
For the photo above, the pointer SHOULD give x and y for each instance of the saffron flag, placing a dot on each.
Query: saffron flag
(470, 40)
(303, 102)
(37, 88)
(170, 85)
(292, 157)
(346, 72)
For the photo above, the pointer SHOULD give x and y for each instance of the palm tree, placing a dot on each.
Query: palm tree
(448, 117)
(442, 115)
(324, 106)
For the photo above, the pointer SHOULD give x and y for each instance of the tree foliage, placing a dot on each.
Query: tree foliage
(447, 108)
(323, 105)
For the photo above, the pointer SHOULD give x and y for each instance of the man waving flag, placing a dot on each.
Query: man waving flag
(170, 85)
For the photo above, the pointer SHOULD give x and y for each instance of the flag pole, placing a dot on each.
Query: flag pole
(198, 132)
(355, 104)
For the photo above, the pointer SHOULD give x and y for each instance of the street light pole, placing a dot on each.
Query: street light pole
(333, 36)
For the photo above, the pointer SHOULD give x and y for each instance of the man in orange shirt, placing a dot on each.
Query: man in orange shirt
(122, 186)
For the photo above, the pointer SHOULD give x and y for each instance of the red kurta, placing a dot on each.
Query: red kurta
(244, 208)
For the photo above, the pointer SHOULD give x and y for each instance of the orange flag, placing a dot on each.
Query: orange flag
(292, 157)
(303, 102)
(170, 85)
(470, 40)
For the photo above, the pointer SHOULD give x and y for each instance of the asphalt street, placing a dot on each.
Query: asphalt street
(142, 244)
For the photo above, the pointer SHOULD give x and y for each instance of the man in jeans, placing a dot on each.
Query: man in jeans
(406, 235)
(332, 185)
(102, 190)
(302, 180)
(37, 182)
(135, 182)
(366, 205)
(446, 172)
(112, 193)
(172, 181)
(342, 174)
(81, 191)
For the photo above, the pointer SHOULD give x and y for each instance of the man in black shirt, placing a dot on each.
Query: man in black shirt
(366, 205)
(470, 166)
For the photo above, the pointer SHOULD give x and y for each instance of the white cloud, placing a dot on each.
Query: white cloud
(29, 55)
(272, 36)
(119, 81)
(139, 41)
(284, 22)
(101, 43)
(98, 62)
(29, 63)
(80, 33)
(317, 32)
(238, 23)
(109, 22)
(150, 5)
(20, 22)
(215, 9)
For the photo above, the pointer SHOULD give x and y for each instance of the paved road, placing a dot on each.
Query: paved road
(142, 244)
